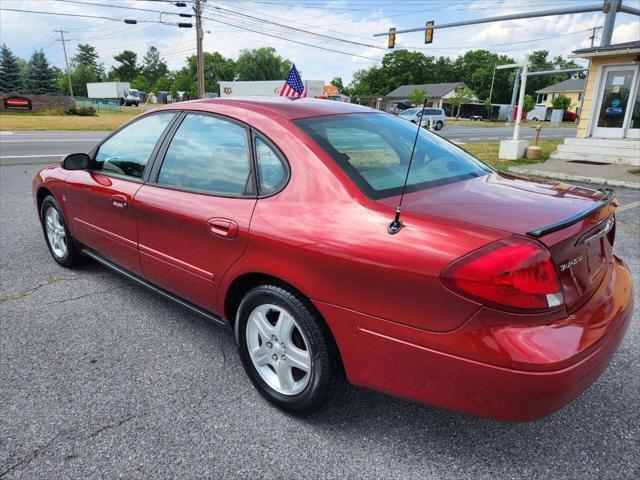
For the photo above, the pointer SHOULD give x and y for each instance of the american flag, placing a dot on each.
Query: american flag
(293, 86)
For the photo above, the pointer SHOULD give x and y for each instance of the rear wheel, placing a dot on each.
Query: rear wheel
(439, 125)
(57, 235)
(287, 350)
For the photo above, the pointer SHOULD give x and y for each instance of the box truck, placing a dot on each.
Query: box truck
(121, 91)
(266, 88)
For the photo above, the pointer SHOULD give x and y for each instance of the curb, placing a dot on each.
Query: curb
(575, 178)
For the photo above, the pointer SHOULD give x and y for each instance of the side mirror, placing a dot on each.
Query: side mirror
(76, 161)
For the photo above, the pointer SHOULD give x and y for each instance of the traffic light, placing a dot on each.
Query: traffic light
(392, 37)
(428, 33)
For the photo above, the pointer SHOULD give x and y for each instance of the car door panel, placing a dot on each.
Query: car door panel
(98, 222)
(178, 250)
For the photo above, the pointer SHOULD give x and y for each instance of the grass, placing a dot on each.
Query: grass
(635, 171)
(488, 153)
(53, 120)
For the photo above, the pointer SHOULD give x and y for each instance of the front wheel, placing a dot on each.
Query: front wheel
(61, 244)
(287, 350)
(439, 125)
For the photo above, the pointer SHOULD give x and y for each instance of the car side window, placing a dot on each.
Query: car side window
(272, 172)
(209, 154)
(127, 152)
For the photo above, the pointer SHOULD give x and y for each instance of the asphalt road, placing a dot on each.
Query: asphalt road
(100, 378)
(22, 148)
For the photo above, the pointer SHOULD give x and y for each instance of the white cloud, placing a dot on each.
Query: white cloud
(24, 32)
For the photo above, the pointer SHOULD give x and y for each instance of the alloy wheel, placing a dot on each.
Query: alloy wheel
(278, 349)
(55, 232)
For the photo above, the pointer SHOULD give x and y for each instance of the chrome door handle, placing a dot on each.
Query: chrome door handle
(119, 201)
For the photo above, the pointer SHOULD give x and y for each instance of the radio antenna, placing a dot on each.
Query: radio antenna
(395, 226)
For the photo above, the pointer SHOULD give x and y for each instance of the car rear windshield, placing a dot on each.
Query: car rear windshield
(374, 151)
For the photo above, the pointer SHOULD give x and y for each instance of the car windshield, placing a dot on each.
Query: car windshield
(374, 151)
(409, 111)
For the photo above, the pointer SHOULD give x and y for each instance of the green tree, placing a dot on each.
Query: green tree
(539, 62)
(41, 78)
(488, 105)
(216, 69)
(128, 68)
(85, 68)
(261, 64)
(561, 102)
(153, 65)
(140, 83)
(417, 97)
(10, 74)
(461, 97)
(529, 103)
(337, 82)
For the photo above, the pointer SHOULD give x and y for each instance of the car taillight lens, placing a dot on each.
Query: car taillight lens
(514, 273)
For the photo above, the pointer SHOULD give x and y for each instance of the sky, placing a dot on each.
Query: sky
(352, 22)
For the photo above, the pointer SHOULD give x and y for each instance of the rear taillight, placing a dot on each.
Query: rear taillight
(515, 274)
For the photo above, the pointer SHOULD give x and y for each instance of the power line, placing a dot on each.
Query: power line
(290, 40)
(102, 17)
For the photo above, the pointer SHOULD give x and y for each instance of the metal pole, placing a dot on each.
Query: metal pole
(610, 8)
(493, 77)
(514, 94)
(516, 16)
(199, 36)
(523, 86)
(64, 48)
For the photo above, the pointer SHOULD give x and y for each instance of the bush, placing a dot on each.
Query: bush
(82, 111)
(561, 102)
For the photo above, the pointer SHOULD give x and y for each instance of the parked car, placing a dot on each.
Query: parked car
(492, 294)
(436, 115)
(570, 116)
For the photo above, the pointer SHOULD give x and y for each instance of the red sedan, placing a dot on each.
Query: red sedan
(491, 294)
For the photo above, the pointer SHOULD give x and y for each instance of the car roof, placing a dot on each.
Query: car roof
(290, 108)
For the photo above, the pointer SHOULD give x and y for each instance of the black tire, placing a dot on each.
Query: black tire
(439, 125)
(326, 369)
(72, 257)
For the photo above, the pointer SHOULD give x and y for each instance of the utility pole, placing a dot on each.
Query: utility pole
(199, 36)
(64, 48)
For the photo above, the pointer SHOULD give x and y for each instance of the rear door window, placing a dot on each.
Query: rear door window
(208, 154)
(272, 171)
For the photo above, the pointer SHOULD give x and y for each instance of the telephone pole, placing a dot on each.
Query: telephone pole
(199, 36)
(64, 48)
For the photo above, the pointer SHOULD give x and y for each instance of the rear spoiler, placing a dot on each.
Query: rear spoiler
(575, 218)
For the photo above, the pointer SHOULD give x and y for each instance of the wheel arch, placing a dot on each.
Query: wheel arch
(41, 194)
(245, 282)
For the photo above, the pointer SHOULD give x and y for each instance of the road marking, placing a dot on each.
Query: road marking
(628, 206)
(32, 156)
(3, 132)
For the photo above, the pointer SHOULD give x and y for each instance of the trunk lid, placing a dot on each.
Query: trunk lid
(581, 223)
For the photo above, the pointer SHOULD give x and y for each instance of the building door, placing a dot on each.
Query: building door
(615, 101)
(634, 121)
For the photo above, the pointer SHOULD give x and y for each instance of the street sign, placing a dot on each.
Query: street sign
(428, 33)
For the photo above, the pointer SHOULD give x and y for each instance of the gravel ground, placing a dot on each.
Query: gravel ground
(102, 379)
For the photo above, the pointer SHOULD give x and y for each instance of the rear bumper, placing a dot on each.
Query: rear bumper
(541, 378)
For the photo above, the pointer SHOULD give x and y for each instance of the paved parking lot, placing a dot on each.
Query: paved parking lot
(102, 379)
